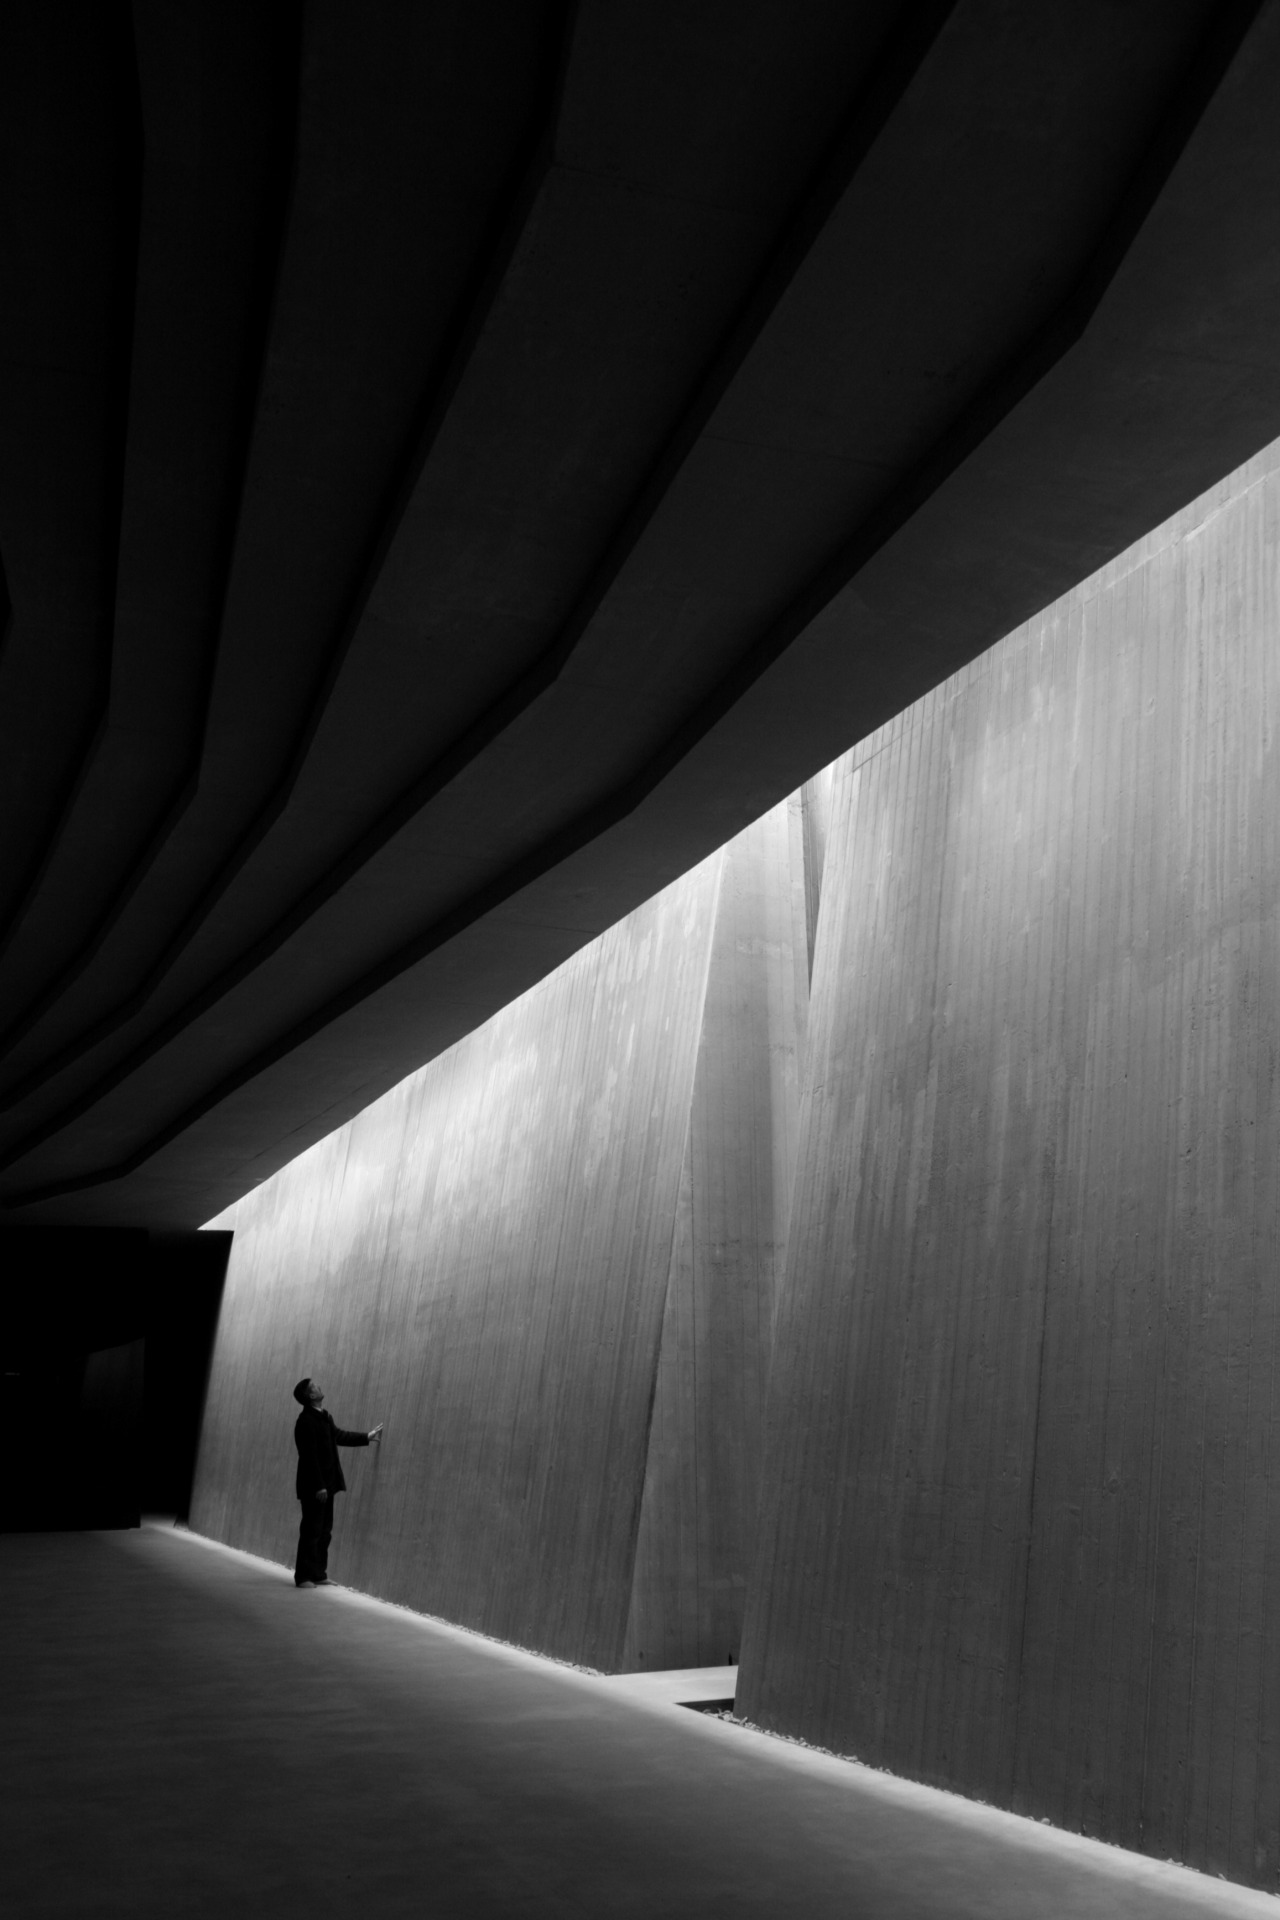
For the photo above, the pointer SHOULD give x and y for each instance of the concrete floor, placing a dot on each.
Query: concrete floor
(185, 1733)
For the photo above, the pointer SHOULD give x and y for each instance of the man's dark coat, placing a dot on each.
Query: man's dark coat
(317, 1440)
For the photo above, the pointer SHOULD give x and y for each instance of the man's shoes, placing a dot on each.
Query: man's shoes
(304, 1583)
(323, 1581)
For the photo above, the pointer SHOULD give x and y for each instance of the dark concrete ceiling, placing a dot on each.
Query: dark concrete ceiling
(461, 462)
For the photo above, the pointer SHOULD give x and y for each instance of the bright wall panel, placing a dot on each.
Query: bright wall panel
(698, 1518)
(1018, 1534)
(480, 1260)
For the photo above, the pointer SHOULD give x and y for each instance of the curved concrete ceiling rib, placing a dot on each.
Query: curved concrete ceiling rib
(505, 226)
(214, 213)
(921, 25)
(66, 354)
(873, 101)
(1014, 380)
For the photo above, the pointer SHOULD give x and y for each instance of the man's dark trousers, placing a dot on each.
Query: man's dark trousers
(314, 1536)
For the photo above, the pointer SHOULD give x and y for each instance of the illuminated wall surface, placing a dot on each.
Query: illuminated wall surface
(925, 1311)
(482, 1259)
(1020, 1531)
(697, 1525)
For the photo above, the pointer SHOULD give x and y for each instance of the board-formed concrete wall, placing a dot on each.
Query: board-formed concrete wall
(480, 1260)
(1019, 1533)
(1014, 1533)
(697, 1529)
(549, 1260)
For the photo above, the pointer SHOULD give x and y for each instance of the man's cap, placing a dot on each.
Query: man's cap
(300, 1391)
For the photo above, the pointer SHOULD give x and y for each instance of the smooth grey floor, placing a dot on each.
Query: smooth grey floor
(185, 1733)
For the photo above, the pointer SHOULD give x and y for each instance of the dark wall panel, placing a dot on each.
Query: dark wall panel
(480, 1259)
(108, 1478)
(697, 1526)
(185, 1280)
(1017, 1535)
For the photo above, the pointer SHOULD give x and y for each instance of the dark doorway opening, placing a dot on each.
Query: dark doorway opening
(105, 1342)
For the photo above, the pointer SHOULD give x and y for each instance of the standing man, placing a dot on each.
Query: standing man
(319, 1480)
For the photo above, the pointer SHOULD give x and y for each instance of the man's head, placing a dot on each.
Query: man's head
(307, 1393)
